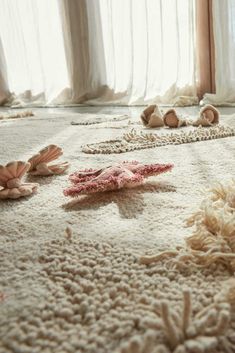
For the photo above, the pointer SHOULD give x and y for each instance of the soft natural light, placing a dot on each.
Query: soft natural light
(149, 45)
(33, 45)
(139, 50)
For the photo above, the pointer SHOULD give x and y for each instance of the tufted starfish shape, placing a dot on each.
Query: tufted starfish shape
(120, 175)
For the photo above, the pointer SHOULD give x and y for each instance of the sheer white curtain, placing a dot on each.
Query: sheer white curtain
(150, 49)
(224, 38)
(100, 51)
(81, 23)
(33, 45)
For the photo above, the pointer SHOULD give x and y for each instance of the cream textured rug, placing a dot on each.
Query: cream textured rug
(75, 279)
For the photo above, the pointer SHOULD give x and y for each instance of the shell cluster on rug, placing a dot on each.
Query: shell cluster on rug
(144, 270)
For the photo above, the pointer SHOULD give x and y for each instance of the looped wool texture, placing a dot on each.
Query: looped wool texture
(136, 141)
(97, 298)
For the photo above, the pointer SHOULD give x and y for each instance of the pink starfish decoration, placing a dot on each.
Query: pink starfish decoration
(123, 174)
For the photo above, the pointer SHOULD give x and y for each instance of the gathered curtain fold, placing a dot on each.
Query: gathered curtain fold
(84, 48)
(4, 90)
(128, 52)
(33, 46)
(205, 47)
(224, 38)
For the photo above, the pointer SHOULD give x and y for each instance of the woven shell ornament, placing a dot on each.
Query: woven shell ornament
(39, 162)
(173, 120)
(152, 117)
(208, 116)
(11, 183)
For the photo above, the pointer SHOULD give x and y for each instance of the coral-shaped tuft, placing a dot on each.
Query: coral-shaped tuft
(187, 333)
(213, 238)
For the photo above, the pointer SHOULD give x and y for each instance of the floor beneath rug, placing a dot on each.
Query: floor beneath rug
(146, 219)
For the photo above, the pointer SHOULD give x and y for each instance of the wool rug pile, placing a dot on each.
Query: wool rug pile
(144, 270)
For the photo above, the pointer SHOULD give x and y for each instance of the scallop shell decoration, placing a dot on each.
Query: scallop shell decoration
(208, 116)
(39, 162)
(173, 120)
(11, 183)
(152, 117)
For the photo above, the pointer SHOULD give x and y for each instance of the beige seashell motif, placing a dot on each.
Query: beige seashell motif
(39, 162)
(152, 117)
(10, 180)
(208, 116)
(173, 120)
